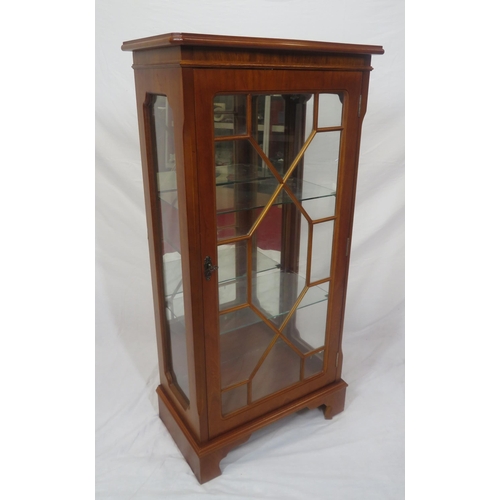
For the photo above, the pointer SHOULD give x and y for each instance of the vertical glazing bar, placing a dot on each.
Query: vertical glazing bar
(250, 264)
(267, 125)
(316, 111)
(309, 252)
(249, 116)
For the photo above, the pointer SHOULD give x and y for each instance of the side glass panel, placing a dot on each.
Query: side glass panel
(276, 167)
(162, 131)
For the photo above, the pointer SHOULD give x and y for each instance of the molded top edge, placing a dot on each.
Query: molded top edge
(173, 39)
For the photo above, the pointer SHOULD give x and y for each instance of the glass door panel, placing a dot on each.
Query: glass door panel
(273, 126)
(307, 330)
(320, 168)
(321, 250)
(276, 168)
(330, 110)
(279, 369)
(230, 115)
(313, 364)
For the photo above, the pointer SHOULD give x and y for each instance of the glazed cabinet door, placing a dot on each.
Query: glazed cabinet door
(276, 161)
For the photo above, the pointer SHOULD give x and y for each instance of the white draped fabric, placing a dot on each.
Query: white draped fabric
(359, 455)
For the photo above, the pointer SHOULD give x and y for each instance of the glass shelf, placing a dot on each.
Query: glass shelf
(227, 263)
(233, 270)
(274, 295)
(249, 195)
(224, 126)
(240, 173)
(174, 299)
(230, 126)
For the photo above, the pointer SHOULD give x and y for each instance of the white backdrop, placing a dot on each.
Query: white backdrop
(359, 455)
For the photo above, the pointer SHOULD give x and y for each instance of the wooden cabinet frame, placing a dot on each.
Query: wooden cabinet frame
(189, 71)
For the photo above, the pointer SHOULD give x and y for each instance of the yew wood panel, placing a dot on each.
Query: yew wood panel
(206, 84)
(170, 82)
(237, 58)
(277, 45)
(215, 57)
(348, 203)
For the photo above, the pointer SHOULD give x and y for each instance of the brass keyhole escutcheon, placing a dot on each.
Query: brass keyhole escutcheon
(209, 268)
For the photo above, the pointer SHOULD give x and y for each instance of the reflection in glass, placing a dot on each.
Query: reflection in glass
(330, 110)
(275, 292)
(321, 250)
(166, 182)
(234, 399)
(243, 340)
(319, 208)
(280, 369)
(242, 184)
(307, 328)
(276, 121)
(321, 160)
(313, 364)
(230, 115)
(232, 274)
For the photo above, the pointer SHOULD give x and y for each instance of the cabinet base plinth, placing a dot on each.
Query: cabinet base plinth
(204, 458)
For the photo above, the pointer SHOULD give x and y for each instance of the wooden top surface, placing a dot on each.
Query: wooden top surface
(191, 39)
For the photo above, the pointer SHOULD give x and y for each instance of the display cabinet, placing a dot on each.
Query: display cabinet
(249, 151)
